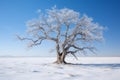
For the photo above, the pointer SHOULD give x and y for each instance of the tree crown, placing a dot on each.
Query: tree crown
(70, 31)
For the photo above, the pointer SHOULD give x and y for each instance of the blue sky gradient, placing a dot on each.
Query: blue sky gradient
(15, 13)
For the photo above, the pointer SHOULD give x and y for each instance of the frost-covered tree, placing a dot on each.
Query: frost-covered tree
(71, 32)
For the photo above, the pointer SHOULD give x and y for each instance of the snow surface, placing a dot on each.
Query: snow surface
(41, 68)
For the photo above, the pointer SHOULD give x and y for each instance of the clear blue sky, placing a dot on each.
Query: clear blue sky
(15, 13)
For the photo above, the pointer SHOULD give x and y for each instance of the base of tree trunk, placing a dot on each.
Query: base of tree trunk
(59, 62)
(61, 59)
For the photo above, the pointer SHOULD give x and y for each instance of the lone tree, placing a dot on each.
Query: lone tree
(71, 32)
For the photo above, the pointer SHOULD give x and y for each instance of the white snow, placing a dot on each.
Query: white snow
(41, 68)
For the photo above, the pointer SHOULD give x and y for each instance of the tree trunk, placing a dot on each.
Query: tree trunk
(61, 58)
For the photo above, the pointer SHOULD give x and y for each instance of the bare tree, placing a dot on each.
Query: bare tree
(71, 32)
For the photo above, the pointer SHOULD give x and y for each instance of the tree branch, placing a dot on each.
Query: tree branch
(73, 53)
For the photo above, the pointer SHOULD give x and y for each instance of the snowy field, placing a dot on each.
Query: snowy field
(41, 68)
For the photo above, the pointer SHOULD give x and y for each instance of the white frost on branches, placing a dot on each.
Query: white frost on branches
(70, 31)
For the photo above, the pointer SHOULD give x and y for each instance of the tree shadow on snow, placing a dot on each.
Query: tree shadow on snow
(96, 65)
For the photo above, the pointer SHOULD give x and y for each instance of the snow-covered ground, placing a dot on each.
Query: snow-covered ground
(41, 68)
